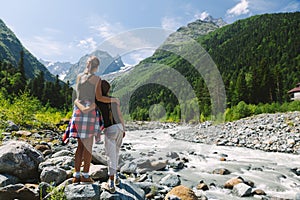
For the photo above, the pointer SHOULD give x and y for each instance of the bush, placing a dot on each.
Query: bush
(244, 110)
(48, 117)
(22, 109)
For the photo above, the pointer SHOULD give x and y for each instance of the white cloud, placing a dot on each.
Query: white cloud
(239, 9)
(133, 40)
(105, 29)
(170, 23)
(202, 15)
(88, 44)
(44, 47)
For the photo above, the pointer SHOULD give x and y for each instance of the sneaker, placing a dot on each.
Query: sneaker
(109, 186)
(76, 180)
(86, 180)
(117, 180)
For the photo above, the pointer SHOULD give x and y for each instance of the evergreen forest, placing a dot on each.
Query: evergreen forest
(258, 59)
(32, 102)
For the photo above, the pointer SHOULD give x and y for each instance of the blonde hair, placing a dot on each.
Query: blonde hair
(92, 63)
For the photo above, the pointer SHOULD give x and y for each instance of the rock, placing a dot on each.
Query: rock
(20, 159)
(6, 179)
(173, 197)
(129, 168)
(153, 196)
(222, 159)
(177, 165)
(64, 162)
(99, 172)
(232, 182)
(98, 155)
(19, 191)
(150, 187)
(202, 186)
(221, 171)
(126, 190)
(259, 192)
(62, 153)
(181, 192)
(53, 175)
(42, 147)
(242, 190)
(141, 178)
(146, 165)
(170, 180)
(296, 171)
(11, 127)
(172, 155)
(82, 191)
(23, 133)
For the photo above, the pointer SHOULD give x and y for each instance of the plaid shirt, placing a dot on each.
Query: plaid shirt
(83, 125)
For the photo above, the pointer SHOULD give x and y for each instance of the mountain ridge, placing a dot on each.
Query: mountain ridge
(107, 64)
(10, 51)
(57, 68)
(257, 57)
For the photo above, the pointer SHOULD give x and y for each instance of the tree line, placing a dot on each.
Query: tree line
(13, 82)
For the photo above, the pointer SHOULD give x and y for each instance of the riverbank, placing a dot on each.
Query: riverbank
(259, 153)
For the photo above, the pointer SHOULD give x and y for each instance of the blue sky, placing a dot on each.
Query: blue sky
(65, 30)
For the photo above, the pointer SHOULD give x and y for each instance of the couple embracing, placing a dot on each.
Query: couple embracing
(92, 107)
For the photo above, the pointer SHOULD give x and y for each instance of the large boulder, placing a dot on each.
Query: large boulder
(182, 192)
(20, 159)
(19, 191)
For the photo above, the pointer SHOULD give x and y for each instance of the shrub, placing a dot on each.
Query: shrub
(22, 109)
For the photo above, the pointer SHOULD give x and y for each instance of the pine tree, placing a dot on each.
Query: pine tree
(19, 78)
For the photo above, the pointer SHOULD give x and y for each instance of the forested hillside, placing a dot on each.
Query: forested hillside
(10, 49)
(258, 59)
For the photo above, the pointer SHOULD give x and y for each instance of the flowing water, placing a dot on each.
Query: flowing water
(270, 171)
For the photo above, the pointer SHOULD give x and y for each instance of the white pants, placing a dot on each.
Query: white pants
(112, 142)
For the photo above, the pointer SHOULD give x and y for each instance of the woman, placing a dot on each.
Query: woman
(114, 132)
(84, 124)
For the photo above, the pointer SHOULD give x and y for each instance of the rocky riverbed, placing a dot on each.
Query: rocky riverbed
(252, 158)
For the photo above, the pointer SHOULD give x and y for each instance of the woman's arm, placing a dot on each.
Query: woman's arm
(104, 99)
(84, 109)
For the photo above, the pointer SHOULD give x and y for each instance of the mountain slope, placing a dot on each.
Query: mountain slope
(10, 48)
(258, 58)
(57, 68)
(108, 64)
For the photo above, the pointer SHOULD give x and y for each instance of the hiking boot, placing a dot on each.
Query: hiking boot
(117, 180)
(86, 180)
(109, 186)
(76, 180)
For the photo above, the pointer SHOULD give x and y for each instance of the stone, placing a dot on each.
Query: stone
(202, 186)
(182, 192)
(53, 175)
(170, 180)
(20, 159)
(232, 182)
(19, 191)
(221, 171)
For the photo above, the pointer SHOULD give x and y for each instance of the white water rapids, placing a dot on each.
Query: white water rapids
(270, 171)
